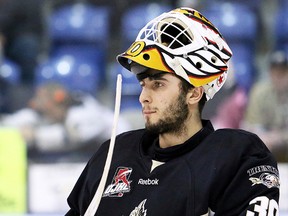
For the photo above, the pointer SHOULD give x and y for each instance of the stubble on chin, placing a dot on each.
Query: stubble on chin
(173, 120)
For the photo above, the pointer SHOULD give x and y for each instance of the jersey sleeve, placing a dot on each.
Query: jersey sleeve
(248, 184)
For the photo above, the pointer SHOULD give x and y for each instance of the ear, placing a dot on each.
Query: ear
(195, 94)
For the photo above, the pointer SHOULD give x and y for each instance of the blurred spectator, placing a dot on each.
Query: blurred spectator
(21, 27)
(57, 121)
(267, 110)
(227, 110)
(231, 111)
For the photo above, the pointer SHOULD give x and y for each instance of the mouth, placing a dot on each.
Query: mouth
(148, 112)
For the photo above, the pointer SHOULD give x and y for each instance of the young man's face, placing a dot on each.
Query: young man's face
(164, 104)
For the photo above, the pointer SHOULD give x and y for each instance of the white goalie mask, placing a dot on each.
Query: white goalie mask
(183, 42)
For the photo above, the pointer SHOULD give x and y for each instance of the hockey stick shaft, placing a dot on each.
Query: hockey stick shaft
(93, 206)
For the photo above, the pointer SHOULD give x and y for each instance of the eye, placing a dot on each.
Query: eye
(158, 84)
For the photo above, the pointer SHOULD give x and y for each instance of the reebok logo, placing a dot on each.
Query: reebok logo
(148, 181)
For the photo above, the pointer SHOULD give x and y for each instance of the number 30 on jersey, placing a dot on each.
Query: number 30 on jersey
(263, 207)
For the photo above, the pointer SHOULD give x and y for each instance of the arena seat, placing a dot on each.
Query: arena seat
(244, 67)
(80, 29)
(136, 18)
(79, 23)
(75, 72)
(10, 71)
(236, 21)
(281, 27)
(238, 24)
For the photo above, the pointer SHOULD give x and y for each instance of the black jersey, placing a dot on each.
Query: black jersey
(228, 172)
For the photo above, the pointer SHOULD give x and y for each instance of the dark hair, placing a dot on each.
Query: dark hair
(185, 87)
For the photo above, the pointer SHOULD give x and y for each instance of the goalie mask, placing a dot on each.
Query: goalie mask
(183, 42)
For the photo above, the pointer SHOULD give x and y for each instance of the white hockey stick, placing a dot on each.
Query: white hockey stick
(93, 206)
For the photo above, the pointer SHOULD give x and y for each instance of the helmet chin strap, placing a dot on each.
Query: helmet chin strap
(178, 69)
(210, 92)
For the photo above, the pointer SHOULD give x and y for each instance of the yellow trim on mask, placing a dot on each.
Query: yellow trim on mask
(202, 81)
(150, 58)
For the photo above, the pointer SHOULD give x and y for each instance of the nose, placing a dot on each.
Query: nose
(144, 97)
